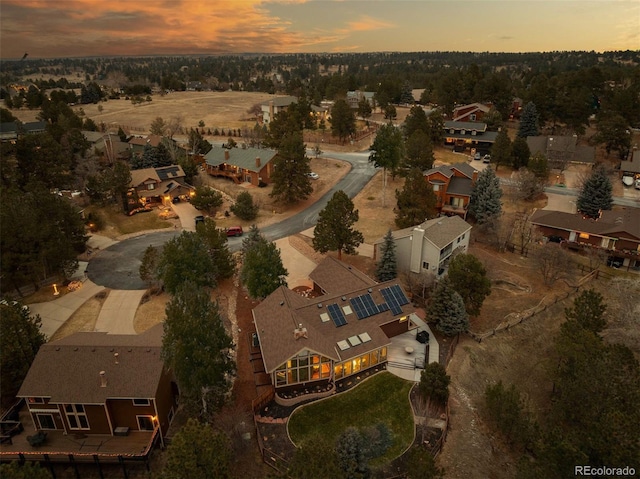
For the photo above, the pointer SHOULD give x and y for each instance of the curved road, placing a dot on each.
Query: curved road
(117, 267)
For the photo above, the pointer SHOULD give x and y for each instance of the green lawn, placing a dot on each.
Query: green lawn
(382, 398)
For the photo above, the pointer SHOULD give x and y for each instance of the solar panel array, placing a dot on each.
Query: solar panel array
(395, 298)
(364, 306)
(336, 315)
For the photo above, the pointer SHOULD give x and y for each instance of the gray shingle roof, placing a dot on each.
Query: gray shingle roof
(440, 231)
(460, 186)
(241, 157)
(281, 101)
(611, 223)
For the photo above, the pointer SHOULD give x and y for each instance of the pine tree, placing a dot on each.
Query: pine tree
(343, 121)
(201, 362)
(419, 151)
(468, 277)
(334, 229)
(416, 202)
(501, 149)
(186, 258)
(387, 266)
(262, 270)
(415, 120)
(588, 311)
(596, 194)
(216, 241)
(406, 94)
(387, 152)
(528, 121)
(149, 267)
(351, 450)
(485, 205)
(291, 182)
(434, 383)
(520, 153)
(447, 310)
(244, 207)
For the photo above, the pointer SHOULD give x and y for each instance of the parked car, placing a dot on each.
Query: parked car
(234, 231)
(486, 159)
(627, 180)
(313, 176)
(176, 199)
(477, 156)
(556, 239)
(199, 219)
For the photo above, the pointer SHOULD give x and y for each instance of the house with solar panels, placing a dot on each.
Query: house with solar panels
(152, 186)
(309, 343)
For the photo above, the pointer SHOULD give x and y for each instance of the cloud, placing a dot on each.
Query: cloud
(367, 23)
(505, 37)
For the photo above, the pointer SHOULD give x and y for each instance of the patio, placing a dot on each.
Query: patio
(407, 356)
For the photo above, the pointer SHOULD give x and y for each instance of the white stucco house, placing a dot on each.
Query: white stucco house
(428, 247)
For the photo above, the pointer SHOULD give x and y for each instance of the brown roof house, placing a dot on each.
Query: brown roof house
(309, 344)
(470, 112)
(617, 232)
(428, 247)
(561, 150)
(452, 185)
(157, 185)
(94, 393)
(251, 165)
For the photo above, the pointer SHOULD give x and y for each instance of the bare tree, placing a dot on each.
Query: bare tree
(255, 111)
(503, 230)
(525, 233)
(596, 257)
(553, 263)
(174, 125)
(529, 185)
(420, 284)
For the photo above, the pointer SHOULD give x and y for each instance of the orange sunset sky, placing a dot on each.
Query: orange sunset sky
(73, 28)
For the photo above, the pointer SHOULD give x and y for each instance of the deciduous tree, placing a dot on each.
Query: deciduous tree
(387, 267)
(334, 230)
(198, 349)
(552, 262)
(596, 193)
(447, 310)
(416, 202)
(197, 451)
(468, 277)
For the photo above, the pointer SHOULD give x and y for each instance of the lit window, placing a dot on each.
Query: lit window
(151, 186)
(584, 235)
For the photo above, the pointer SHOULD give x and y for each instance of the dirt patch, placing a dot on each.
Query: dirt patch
(84, 318)
(150, 312)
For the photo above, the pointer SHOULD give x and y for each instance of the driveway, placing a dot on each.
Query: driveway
(55, 313)
(118, 311)
(187, 214)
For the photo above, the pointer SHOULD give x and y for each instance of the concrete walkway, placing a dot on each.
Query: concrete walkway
(187, 214)
(55, 313)
(297, 265)
(119, 310)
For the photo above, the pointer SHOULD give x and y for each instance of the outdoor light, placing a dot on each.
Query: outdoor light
(55, 290)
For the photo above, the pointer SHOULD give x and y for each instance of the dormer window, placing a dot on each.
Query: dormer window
(452, 131)
(473, 133)
(463, 132)
(472, 117)
(151, 186)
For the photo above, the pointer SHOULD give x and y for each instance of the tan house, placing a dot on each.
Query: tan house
(158, 185)
(96, 395)
(309, 344)
(452, 185)
(272, 107)
(250, 165)
(428, 247)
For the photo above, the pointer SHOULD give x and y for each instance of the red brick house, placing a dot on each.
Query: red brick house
(617, 232)
(251, 165)
(308, 344)
(452, 185)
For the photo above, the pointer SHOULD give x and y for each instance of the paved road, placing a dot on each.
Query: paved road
(117, 267)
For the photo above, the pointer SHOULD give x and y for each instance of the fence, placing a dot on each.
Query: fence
(261, 401)
(513, 319)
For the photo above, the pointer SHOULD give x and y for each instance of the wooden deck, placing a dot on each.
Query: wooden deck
(60, 446)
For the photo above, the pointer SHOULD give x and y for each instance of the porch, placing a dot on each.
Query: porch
(454, 210)
(226, 171)
(408, 355)
(59, 446)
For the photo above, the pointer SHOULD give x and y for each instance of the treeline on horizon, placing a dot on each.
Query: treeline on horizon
(566, 86)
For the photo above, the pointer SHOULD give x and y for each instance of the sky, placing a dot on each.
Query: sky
(78, 28)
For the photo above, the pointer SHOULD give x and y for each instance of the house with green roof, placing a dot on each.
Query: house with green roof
(242, 165)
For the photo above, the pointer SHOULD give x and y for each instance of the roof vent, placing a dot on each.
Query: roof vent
(344, 298)
(103, 379)
(319, 305)
(115, 356)
(281, 303)
(300, 332)
(370, 290)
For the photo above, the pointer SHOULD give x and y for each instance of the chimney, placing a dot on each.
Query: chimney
(271, 111)
(300, 332)
(226, 155)
(257, 161)
(103, 379)
(115, 356)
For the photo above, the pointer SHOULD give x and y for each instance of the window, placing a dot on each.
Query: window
(76, 416)
(425, 265)
(436, 187)
(141, 402)
(46, 421)
(36, 400)
(463, 132)
(584, 235)
(463, 235)
(472, 117)
(151, 186)
(145, 423)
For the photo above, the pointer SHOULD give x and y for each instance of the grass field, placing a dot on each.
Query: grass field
(383, 398)
(118, 224)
